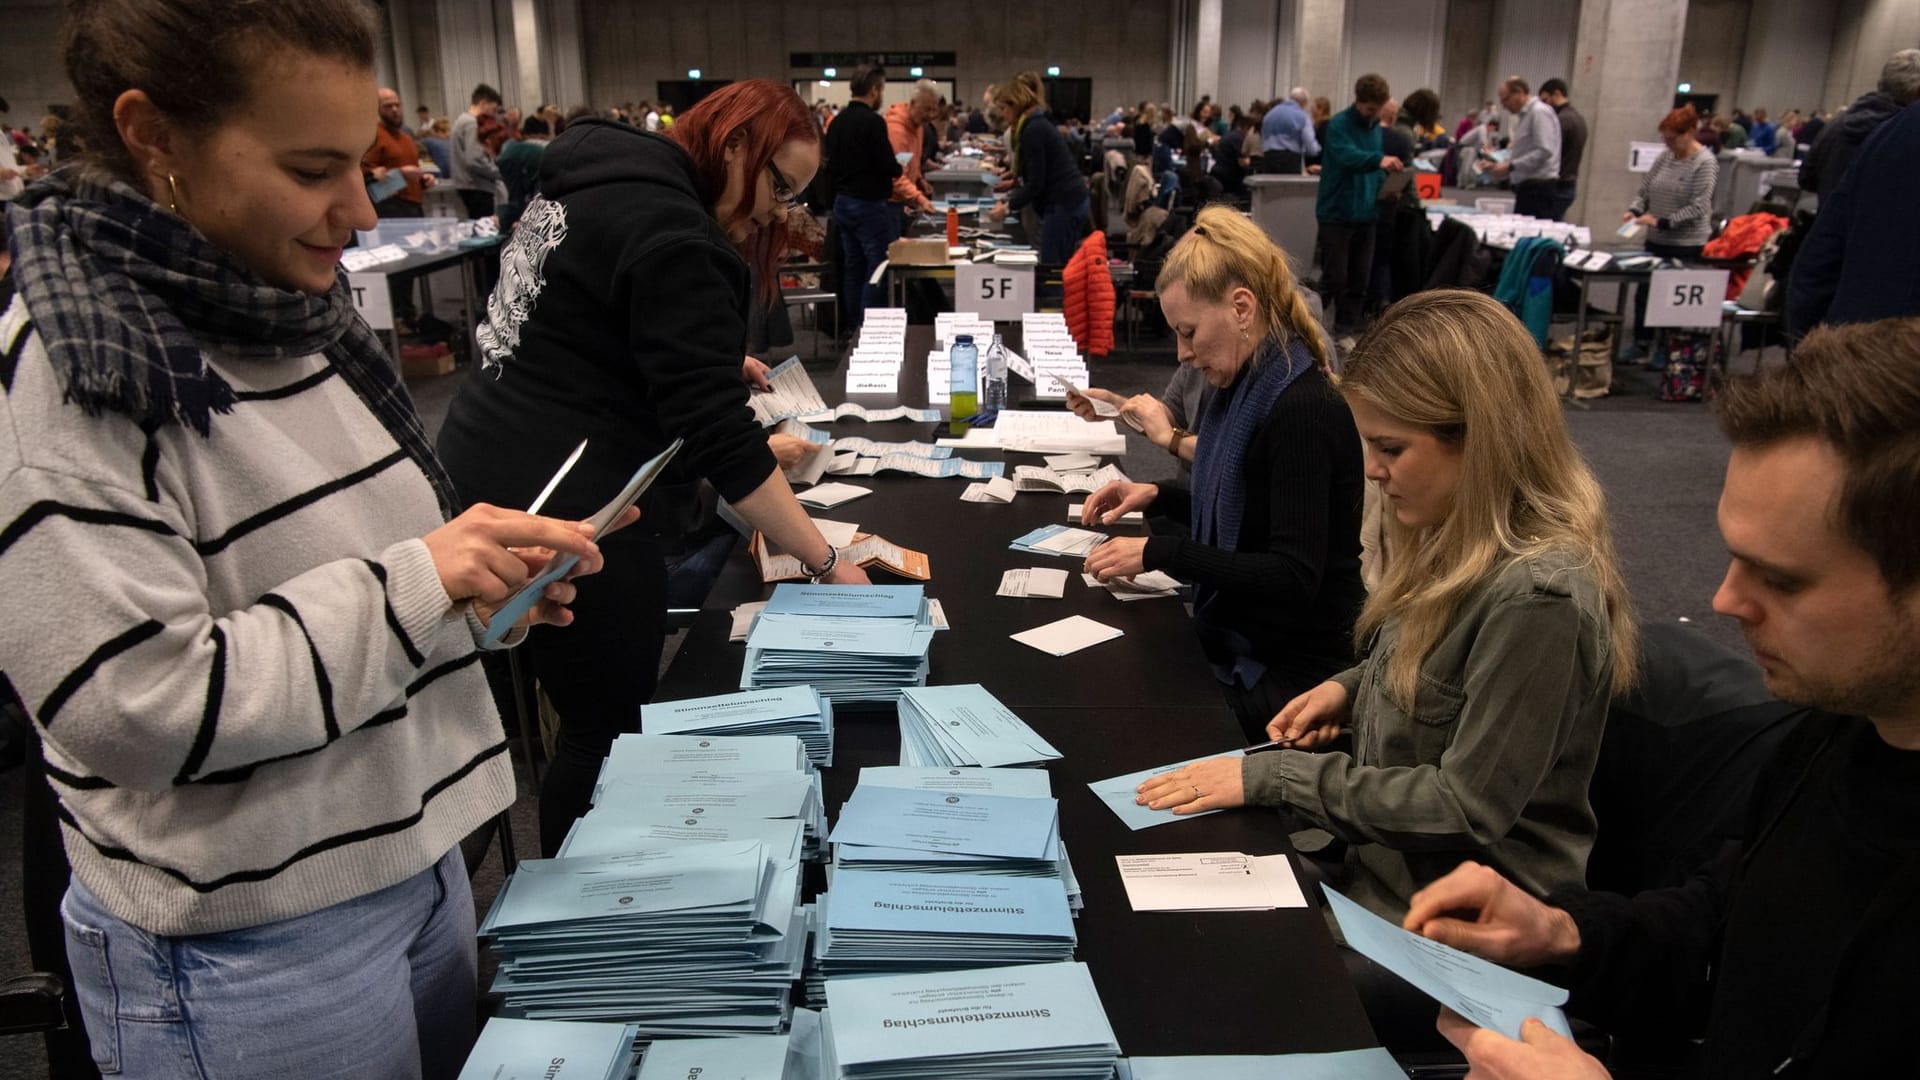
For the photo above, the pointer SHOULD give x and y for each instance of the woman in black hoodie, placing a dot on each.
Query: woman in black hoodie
(621, 318)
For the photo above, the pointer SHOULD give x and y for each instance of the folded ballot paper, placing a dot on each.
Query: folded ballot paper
(1063, 541)
(965, 725)
(697, 940)
(854, 645)
(1038, 478)
(984, 1024)
(793, 394)
(864, 550)
(788, 710)
(510, 1049)
(1144, 586)
(522, 601)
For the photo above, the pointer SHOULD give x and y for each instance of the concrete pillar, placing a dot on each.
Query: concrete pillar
(1320, 50)
(527, 34)
(1785, 66)
(1206, 52)
(1626, 63)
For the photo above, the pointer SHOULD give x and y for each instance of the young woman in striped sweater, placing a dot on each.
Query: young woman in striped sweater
(241, 620)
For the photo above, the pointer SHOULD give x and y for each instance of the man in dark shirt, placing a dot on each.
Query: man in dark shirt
(862, 168)
(1794, 953)
(1573, 144)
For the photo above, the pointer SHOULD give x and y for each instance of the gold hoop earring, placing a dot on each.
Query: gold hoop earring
(173, 194)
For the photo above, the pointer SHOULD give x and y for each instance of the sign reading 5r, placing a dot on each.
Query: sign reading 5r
(993, 292)
(1689, 298)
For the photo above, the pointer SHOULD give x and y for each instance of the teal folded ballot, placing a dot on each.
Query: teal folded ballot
(522, 601)
(510, 1049)
(850, 650)
(965, 725)
(983, 1024)
(799, 711)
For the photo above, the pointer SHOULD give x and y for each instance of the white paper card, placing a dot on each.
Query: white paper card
(1209, 881)
(1068, 635)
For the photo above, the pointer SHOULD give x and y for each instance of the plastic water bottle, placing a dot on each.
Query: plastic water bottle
(964, 383)
(993, 395)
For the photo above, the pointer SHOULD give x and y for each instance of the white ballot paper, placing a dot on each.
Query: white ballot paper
(1075, 462)
(743, 617)
(793, 394)
(1068, 635)
(837, 533)
(1131, 517)
(1483, 992)
(997, 490)
(1144, 586)
(828, 496)
(1036, 582)
(1209, 881)
(938, 614)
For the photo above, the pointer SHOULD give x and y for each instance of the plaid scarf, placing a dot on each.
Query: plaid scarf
(129, 299)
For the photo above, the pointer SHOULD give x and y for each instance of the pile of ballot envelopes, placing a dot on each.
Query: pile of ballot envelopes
(510, 1049)
(937, 869)
(983, 1024)
(674, 903)
(799, 711)
(855, 645)
(965, 725)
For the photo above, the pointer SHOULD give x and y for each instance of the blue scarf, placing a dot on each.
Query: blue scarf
(1232, 418)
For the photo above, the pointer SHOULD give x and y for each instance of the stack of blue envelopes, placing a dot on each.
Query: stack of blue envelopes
(965, 725)
(510, 1049)
(677, 790)
(787, 710)
(700, 939)
(983, 1024)
(856, 646)
(743, 1057)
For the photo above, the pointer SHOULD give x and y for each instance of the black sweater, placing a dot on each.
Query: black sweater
(1798, 951)
(1049, 180)
(621, 318)
(860, 159)
(1292, 585)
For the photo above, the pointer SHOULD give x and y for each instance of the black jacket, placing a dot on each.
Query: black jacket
(1292, 586)
(1785, 968)
(621, 318)
(1833, 149)
(1857, 262)
(1049, 180)
(860, 159)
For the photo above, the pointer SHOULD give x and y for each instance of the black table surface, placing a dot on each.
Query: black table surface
(1172, 983)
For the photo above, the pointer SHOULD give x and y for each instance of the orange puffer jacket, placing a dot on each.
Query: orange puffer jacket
(1089, 296)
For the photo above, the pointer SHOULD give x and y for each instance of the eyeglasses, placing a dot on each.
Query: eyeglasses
(784, 197)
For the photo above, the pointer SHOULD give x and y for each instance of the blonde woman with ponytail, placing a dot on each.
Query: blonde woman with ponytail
(1274, 505)
(1493, 645)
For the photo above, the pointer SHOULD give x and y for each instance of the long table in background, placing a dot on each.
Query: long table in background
(1172, 983)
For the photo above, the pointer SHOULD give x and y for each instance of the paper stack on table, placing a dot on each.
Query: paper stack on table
(997, 490)
(745, 752)
(874, 923)
(851, 411)
(984, 1024)
(701, 939)
(1061, 540)
(1118, 793)
(854, 645)
(1036, 582)
(828, 496)
(666, 796)
(743, 1057)
(510, 1049)
(1374, 1063)
(1043, 432)
(1209, 881)
(965, 725)
(799, 711)
(859, 549)
(1131, 517)
(873, 367)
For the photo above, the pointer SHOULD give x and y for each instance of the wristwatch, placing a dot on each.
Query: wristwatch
(1174, 440)
(826, 568)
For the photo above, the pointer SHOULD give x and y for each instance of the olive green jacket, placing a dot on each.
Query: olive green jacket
(1493, 762)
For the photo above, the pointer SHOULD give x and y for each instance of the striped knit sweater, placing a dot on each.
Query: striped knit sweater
(1680, 194)
(255, 696)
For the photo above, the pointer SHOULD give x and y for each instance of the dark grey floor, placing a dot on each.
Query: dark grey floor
(1660, 464)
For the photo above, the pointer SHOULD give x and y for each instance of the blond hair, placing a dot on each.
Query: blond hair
(1020, 93)
(1459, 365)
(1225, 251)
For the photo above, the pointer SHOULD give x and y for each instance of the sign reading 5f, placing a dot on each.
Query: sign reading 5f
(993, 292)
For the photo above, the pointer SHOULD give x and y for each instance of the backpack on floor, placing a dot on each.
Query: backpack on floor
(1689, 358)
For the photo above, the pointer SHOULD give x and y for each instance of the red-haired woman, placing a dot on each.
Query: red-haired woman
(1676, 195)
(621, 318)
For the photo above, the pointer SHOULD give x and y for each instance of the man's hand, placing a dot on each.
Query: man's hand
(1542, 1053)
(1313, 170)
(1476, 910)
(379, 174)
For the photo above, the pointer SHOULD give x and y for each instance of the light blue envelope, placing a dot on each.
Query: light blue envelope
(867, 601)
(1021, 828)
(1118, 793)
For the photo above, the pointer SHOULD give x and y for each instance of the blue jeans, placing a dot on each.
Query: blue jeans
(866, 227)
(379, 986)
